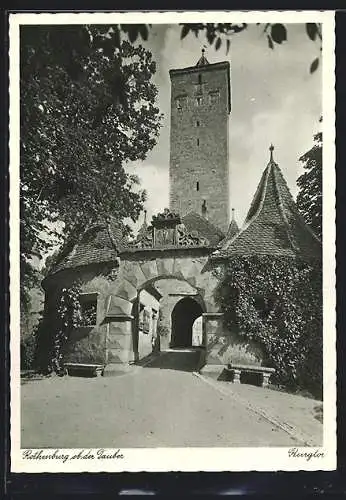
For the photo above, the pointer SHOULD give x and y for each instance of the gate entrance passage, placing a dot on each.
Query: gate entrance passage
(184, 314)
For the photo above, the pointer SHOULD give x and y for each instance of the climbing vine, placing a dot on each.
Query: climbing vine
(277, 303)
(69, 317)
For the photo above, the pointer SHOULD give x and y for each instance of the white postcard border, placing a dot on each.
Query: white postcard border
(184, 459)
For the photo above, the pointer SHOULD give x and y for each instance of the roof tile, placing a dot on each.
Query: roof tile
(99, 243)
(195, 222)
(273, 225)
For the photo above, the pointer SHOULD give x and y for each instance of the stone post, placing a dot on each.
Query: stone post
(236, 376)
(265, 381)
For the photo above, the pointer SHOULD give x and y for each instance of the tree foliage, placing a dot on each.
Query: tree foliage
(87, 108)
(275, 33)
(277, 303)
(28, 349)
(219, 34)
(309, 198)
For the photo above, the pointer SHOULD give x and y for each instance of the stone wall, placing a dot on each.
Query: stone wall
(145, 338)
(86, 344)
(119, 342)
(226, 346)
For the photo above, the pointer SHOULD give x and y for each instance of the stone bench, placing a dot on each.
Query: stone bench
(237, 370)
(93, 370)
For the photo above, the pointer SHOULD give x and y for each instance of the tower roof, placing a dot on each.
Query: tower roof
(202, 61)
(273, 225)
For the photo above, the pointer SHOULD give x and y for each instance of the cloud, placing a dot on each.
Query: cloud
(155, 181)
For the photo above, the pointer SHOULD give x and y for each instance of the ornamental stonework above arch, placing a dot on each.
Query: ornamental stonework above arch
(166, 231)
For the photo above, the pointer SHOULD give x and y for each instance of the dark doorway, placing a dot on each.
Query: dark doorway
(185, 312)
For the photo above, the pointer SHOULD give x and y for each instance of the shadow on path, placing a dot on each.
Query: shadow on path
(187, 360)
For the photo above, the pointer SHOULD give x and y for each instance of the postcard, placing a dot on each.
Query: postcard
(172, 241)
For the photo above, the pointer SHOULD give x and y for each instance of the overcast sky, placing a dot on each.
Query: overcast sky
(274, 99)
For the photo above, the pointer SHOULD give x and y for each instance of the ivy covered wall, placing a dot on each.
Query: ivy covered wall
(277, 303)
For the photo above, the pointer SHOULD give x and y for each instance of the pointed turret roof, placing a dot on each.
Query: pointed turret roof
(273, 225)
(202, 61)
(143, 228)
(233, 228)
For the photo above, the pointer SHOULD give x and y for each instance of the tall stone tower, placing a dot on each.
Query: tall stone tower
(198, 171)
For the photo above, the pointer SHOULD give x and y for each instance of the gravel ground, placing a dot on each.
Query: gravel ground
(148, 407)
(301, 413)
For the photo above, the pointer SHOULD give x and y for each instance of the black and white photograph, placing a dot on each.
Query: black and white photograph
(172, 241)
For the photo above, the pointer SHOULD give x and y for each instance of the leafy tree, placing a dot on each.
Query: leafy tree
(218, 34)
(49, 263)
(87, 107)
(275, 34)
(309, 199)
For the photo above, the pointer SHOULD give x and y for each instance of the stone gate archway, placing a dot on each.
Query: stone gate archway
(159, 296)
(184, 314)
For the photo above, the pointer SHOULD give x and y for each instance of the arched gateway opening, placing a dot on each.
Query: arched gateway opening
(167, 313)
(184, 315)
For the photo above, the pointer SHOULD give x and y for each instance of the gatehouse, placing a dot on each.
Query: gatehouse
(157, 291)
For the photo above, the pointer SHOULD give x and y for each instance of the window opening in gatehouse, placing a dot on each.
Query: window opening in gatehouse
(197, 186)
(198, 101)
(197, 123)
(88, 309)
(197, 141)
(200, 79)
(264, 305)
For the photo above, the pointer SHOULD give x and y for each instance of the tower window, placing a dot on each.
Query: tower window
(197, 186)
(214, 96)
(200, 79)
(180, 102)
(197, 141)
(197, 123)
(199, 101)
(204, 208)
